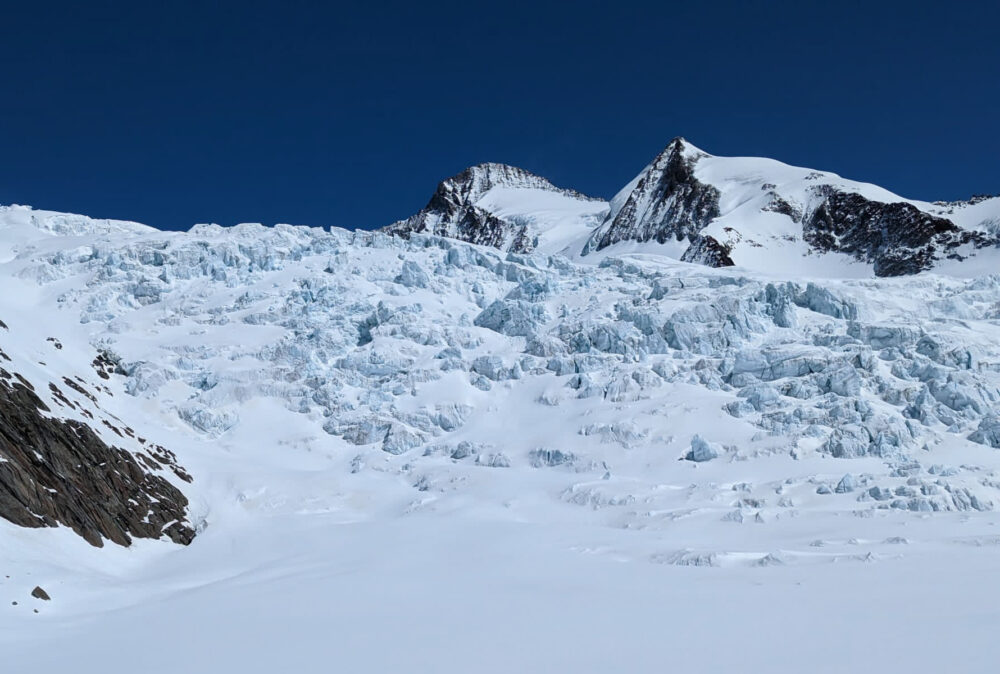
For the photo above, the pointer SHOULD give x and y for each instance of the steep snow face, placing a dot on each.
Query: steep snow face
(764, 215)
(507, 208)
(367, 415)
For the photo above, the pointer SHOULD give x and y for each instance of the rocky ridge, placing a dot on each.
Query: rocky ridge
(62, 471)
(721, 211)
(666, 202)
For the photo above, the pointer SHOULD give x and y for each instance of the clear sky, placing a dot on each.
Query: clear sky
(349, 113)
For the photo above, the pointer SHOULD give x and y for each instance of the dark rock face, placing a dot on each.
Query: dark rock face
(896, 238)
(106, 364)
(56, 471)
(452, 210)
(475, 225)
(39, 593)
(778, 204)
(708, 251)
(668, 203)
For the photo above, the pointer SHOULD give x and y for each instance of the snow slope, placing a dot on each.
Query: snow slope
(507, 208)
(425, 454)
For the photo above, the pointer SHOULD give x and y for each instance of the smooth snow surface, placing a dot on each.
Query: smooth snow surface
(426, 456)
(561, 221)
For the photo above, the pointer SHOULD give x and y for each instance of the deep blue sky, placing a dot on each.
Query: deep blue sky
(349, 114)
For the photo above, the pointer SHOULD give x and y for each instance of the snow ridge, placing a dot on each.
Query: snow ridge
(763, 214)
(754, 213)
(473, 206)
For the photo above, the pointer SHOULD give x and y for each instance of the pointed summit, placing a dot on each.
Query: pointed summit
(683, 147)
(664, 202)
(677, 143)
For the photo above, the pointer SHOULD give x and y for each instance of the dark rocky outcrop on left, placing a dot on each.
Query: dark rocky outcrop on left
(55, 471)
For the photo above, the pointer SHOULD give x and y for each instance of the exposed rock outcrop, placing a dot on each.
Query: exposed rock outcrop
(708, 251)
(55, 471)
(897, 238)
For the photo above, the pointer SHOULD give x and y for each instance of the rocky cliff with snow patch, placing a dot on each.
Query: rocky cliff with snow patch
(744, 211)
(61, 463)
(500, 206)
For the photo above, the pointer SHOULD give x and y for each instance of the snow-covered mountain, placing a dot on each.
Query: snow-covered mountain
(507, 208)
(376, 448)
(762, 214)
(754, 213)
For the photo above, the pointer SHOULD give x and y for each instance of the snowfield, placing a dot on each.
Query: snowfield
(424, 455)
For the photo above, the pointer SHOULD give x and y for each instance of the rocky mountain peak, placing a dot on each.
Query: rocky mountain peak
(713, 210)
(664, 202)
(680, 145)
(471, 184)
(461, 208)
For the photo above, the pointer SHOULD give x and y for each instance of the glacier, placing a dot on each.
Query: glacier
(575, 434)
